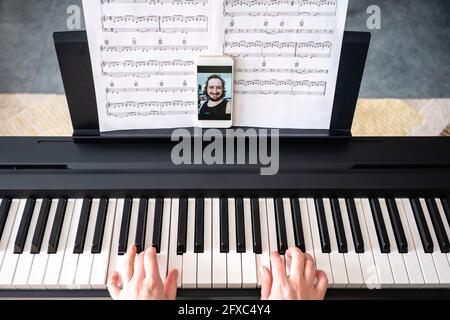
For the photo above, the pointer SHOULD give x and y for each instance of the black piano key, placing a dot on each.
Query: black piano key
(280, 222)
(157, 224)
(298, 226)
(24, 226)
(57, 226)
(399, 232)
(82, 226)
(380, 227)
(240, 226)
(438, 226)
(421, 223)
(224, 239)
(125, 226)
(41, 224)
(446, 205)
(139, 241)
(4, 211)
(322, 224)
(256, 226)
(100, 226)
(339, 226)
(358, 240)
(199, 225)
(182, 226)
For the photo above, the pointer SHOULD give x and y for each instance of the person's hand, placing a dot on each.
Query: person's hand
(141, 280)
(304, 281)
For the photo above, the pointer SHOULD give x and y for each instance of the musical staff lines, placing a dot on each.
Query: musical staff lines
(159, 47)
(280, 31)
(150, 113)
(150, 104)
(156, 2)
(238, 8)
(281, 70)
(151, 108)
(280, 87)
(147, 74)
(150, 89)
(155, 63)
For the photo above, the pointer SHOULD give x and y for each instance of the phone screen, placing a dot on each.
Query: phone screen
(215, 92)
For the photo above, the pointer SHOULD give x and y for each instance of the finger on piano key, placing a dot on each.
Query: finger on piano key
(38, 235)
(352, 262)
(100, 225)
(322, 259)
(396, 260)
(125, 226)
(189, 280)
(84, 267)
(358, 240)
(263, 259)
(381, 259)
(40, 261)
(175, 260)
(182, 226)
(337, 262)
(158, 222)
(368, 266)
(297, 224)
(58, 242)
(113, 264)
(224, 238)
(429, 272)
(322, 225)
(99, 272)
(399, 232)
(289, 224)
(162, 240)
(256, 226)
(440, 259)
(411, 257)
(82, 226)
(5, 205)
(424, 232)
(309, 247)
(10, 218)
(281, 226)
(438, 226)
(25, 261)
(380, 226)
(9, 257)
(199, 225)
(249, 271)
(24, 226)
(141, 224)
(240, 229)
(70, 260)
(338, 226)
(134, 215)
(234, 257)
(204, 262)
(219, 258)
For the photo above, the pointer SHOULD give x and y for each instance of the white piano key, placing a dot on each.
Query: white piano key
(440, 259)
(234, 258)
(249, 277)
(204, 260)
(263, 259)
(444, 221)
(7, 231)
(429, 272)
(114, 257)
(381, 259)
(411, 260)
(10, 259)
(396, 260)
(322, 259)
(84, 267)
(368, 266)
(37, 273)
(55, 261)
(189, 280)
(219, 259)
(352, 262)
(70, 261)
(25, 261)
(288, 221)
(99, 271)
(149, 227)
(175, 260)
(309, 247)
(271, 225)
(337, 262)
(163, 254)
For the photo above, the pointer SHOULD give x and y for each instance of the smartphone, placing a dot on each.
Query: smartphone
(215, 91)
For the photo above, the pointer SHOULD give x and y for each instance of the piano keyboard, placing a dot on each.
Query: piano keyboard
(221, 243)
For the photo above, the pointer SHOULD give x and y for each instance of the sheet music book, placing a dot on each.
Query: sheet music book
(143, 55)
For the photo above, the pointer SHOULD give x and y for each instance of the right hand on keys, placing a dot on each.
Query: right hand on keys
(304, 281)
(141, 280)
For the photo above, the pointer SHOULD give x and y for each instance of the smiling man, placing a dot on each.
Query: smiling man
(216, 104)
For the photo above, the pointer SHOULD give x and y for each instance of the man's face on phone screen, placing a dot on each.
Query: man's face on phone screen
(214, 90)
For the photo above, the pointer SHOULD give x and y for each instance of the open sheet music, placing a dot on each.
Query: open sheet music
(143, 54)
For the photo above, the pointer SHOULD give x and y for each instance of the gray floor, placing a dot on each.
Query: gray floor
(409, 57)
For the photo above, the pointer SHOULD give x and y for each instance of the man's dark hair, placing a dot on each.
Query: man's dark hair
(216, 76)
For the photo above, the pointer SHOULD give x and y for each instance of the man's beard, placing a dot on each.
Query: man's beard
(215, 100)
